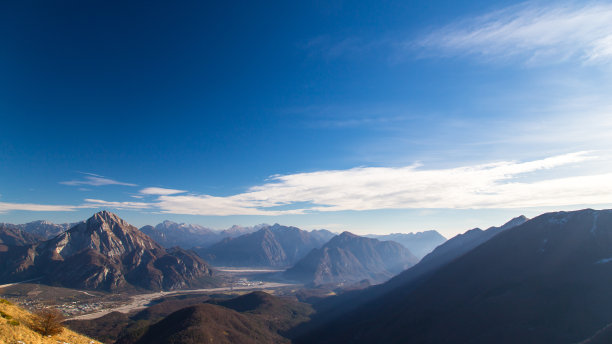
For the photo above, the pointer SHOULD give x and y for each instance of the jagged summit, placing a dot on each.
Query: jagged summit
(107, 217)
(104, 232)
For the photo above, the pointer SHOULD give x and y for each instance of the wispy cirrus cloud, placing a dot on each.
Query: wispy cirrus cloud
(5, 207)
(97, 203)
(534, 33)
(160, 191)
(494, 185)
(89, 204)
(95, 180)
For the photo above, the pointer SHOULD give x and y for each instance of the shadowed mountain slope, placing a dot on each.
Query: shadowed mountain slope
(207, 323)
(263, 312)
(545, 281)
(280, 313)
(451, 250)
(603, 336)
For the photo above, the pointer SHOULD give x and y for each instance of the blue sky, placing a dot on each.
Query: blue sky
(370, 116)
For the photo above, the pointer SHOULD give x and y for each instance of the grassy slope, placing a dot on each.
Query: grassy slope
(13, 333)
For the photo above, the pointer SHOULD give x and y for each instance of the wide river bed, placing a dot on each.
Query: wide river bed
(143, 300)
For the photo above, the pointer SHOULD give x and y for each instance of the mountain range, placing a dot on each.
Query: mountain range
(540, 280)
(271, 246)
(452, 249)
(419, 244)
(543, 281)
(170, 234)
(348, 258)
(104, 252)
(335, 307)
(14, 236)
(41, 228)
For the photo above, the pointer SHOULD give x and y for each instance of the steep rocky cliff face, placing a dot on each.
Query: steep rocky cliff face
(105, 252)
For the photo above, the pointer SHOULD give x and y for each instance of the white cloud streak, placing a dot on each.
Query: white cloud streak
(95, 180)
(492, 185)
(499, 185)
(537, 34)
(4, 207)
(97, 203)
(89, 203)
(160, 191)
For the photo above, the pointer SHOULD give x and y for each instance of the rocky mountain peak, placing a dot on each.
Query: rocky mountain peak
(106, 217)
(345, 237)
(517, 221)
(40, 222)
(349, 258)
(104, 232)
(105, 252)
(275, 245)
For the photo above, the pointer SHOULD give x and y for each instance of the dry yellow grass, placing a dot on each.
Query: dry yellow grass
(15, 328)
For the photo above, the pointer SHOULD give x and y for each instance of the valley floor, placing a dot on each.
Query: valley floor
(85, 305)
(141, 301)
